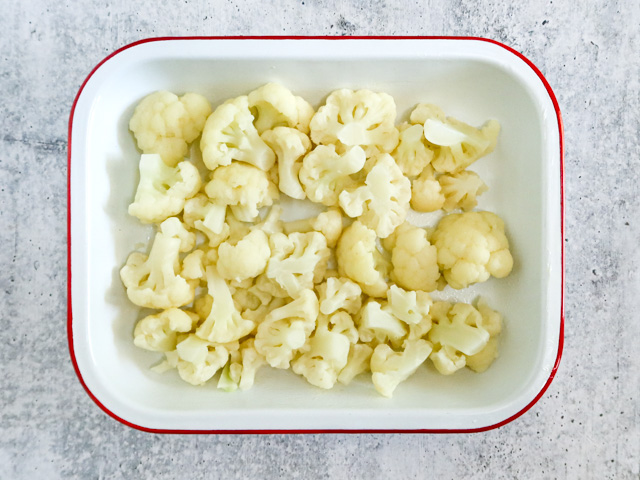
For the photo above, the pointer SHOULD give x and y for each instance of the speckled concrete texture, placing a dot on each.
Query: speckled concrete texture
(586, 425)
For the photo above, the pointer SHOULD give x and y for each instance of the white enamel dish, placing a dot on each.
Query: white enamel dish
(472, 79)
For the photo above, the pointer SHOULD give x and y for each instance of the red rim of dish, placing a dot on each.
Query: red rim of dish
(469, 430)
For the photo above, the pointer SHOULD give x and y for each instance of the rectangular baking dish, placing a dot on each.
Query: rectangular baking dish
(470, 78)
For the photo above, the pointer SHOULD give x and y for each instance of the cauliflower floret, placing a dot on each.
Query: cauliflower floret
(273, 105)
(163, 190)
(325, 173)
(285, 330)
(193, 265)
(492, 323)
(376, 323)
(173, 227)
(229, 135)
(159, 332)
(357, 363)
(457, 332)
(456, 145)
(414, 260)
(328, 223)
(423, 111)
(244, 188)
(165, 124)
(491, 320)
(154, 281)
(339, 294)
(269, 286)
(224, 323)
(426, 192)
(297, 260)
(208, 217)
(412, 153)
(363, 118)
(461, 190)
(325, 356)
(359, 260)
(472, 246)
(409, 306)
(382, 203)
(246, 259)
(240, 371)
(289, 145)
(391, 368)
(198, 360)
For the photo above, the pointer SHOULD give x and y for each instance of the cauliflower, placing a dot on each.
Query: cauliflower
(154, 280)
(412, 153)
(246, 259)
(208, 217)
(456, 145)
(159, 332)
(197, 360)
(390, 368)
(229, 135)
(193, 265)
(328, 223)
(363, 118)
(359, 260)
(382, 203)
(285, 330)
(244, 187)
(492, 323)
(339, 294)
(290, 145)
(272, 105)
(325, 173)
(173, 227)
(298, 260)
(224, 323)
(268, 286)
(326, 355)
(163, 190)
(378, 324)
(461, 190)
(240, 371)
(426, 192)
(414, 260)
(409, 306)
(471, 247)
(357, 363)
(165, 124)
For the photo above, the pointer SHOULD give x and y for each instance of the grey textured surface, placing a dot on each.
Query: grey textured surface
(586, 425)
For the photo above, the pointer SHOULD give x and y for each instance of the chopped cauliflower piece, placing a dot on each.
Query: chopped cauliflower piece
(173, 227)
(325, 173)
(327, 355)
(298, 260)
(244, 188)
(165, 124)
(154, 280)
(414, 260)
(339, 294)
(159, 332)
(224, 323)
(359, 259)
(229, 135)
(197, 360)
(491, 320)
(409, 306)
(382, 203)
(461, 329)
(240, 371)
(246, 259)
(456, 145)
(208, 217)
(378, 324)
(426, 192)
(328, 223)
(363, 118)
(461, 190)
(484, 358)
(285, 330)
(357, 363)
(289, 145)
(193, 265)
(391, 368)
(163, 190)
(424, 111)
(472, 246)
(273, 105)
(412, 153)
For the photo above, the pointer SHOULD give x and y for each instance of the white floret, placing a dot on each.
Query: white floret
(273, 105)
(289, 145)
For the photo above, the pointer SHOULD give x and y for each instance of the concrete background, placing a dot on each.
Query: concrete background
(585, 426)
